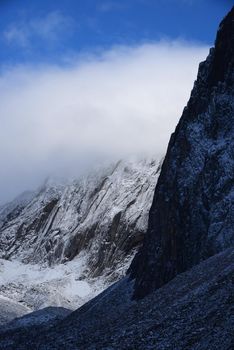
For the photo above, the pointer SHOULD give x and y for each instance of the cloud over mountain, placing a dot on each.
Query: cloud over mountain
(126, 100)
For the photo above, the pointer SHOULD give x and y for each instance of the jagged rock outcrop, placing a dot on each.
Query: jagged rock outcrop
(104, 214)
(192, 215)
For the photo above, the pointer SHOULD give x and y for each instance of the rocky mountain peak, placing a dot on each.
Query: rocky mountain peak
(192, 215)
(223, 62)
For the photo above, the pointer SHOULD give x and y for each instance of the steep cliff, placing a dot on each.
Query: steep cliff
(192, 215)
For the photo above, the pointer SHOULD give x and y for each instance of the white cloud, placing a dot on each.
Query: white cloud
(48, 28)
(127, 100)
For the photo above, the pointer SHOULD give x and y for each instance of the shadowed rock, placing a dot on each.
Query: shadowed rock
(192, 215)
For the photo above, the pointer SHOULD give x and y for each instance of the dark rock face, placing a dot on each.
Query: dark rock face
(192, 215)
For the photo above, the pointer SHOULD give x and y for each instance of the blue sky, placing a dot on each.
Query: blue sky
(48, 30)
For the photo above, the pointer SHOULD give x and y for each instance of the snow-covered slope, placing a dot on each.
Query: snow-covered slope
(68, 241)
(37, 287)
(105, 213)
(10, 309)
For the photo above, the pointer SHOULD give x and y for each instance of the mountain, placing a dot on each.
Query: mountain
(192, 215)
(67, 241)
(179, 293)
